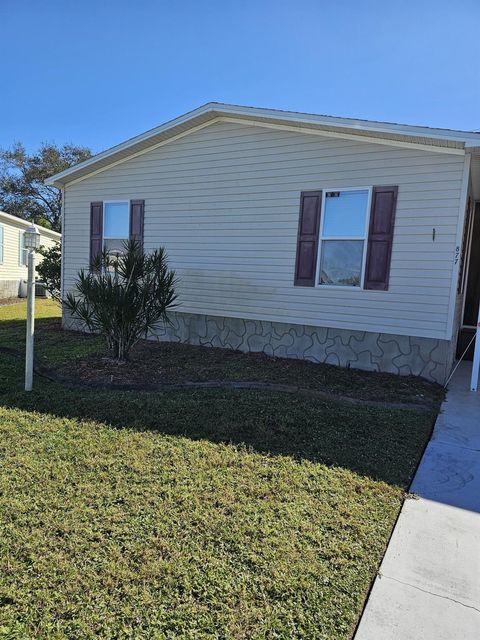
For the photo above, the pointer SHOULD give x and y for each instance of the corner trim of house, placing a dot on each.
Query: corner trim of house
(62, 258)
(458, 246)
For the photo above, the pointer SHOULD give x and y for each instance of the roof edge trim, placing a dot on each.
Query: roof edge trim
(26, 223)
(448, 141)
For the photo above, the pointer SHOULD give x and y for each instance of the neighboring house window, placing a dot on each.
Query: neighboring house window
(22, 252)
(1, 244)
(343, 237)
(116, 221)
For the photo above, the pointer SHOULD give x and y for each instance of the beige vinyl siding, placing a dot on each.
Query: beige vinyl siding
(11, 269)
(224, 201)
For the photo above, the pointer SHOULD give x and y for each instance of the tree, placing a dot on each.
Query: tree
(124, 297)
(50, 269)
(22, 189)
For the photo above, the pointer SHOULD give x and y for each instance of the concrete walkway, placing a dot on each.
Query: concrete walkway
(428, 587)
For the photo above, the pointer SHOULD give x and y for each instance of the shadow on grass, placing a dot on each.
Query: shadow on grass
(52, 343)
(81, 357)
(383, 444)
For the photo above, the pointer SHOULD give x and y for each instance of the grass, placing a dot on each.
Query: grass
(195, 515)
(52, 344)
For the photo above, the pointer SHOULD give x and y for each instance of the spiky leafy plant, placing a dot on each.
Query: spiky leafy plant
(124, 297)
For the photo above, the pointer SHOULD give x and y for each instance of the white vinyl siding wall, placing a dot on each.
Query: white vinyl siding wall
(10, 268)
(224, 201)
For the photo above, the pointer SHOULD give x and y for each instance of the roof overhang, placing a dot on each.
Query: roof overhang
(8, 218)
(440, 140)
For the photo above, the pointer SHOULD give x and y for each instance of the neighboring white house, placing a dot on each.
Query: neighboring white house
(336, 240)
(13, 267)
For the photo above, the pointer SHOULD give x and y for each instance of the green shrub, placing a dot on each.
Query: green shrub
(50, 269)
(124, 297)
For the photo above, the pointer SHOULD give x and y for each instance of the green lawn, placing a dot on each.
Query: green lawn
(189, 514)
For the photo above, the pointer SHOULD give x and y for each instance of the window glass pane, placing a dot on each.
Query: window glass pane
(345, 214)
(115, 220)
(341, 262)
(23, 253)
(114, 245)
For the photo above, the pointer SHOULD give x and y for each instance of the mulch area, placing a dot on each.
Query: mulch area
(157, 363)
(5, 301)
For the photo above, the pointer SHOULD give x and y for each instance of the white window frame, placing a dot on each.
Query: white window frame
(2, 243)
(22, 252)
(343, 287)
(105, 202)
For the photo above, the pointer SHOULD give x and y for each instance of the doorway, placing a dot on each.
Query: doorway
(472, 288)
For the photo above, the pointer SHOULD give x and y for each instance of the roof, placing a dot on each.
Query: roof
(439, 139)
(26, 223)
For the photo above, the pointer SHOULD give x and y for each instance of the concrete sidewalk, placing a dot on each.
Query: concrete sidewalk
(428, 587)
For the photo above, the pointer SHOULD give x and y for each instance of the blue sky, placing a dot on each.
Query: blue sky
(96, 72)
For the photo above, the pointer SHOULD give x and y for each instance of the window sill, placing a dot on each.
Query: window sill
(338, 287)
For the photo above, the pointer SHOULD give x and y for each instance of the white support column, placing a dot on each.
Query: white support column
(30, 321)
(476, 357)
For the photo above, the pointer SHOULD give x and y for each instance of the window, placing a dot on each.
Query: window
(343, 236)
(22, 252)
(116, 217)
(1, 244)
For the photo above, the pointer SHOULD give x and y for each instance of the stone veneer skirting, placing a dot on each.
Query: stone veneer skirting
(430, 358)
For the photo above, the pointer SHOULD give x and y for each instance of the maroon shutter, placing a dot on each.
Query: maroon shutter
(137, 209)
(380, 238)
(307, 239)
(96, 229)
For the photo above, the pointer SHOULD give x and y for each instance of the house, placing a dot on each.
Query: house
(13, 264)
(336, 240)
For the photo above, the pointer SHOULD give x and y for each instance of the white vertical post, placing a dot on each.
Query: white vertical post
(476, 356)
(30, 321)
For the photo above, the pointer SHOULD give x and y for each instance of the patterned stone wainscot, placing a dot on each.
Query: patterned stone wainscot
(429, 358)
(403, 355)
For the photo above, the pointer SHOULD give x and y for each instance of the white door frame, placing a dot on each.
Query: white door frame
(476, 357)
(476, 353)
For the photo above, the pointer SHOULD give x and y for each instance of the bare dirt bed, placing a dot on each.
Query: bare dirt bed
(153, 363)
(5, 301)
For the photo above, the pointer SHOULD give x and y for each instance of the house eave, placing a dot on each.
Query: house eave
(441, 140)
(8, 218)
